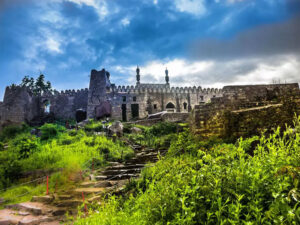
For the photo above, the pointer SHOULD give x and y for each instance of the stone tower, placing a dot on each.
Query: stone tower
(99, 84)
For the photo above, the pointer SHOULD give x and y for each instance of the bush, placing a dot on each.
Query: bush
(11, 131)
(50, 131)
(1, 146)
(162, 128)
(25, 145)
(220, 184)
(94, 126)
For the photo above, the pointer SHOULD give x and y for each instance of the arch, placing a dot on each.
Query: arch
(170, 105)
(46, 105)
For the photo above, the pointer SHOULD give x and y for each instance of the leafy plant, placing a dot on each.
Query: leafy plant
(50, 131)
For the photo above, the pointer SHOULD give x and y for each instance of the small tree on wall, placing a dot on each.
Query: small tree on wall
(38, 86)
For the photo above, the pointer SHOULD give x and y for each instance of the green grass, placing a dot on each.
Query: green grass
(56, 150)
(23, 193)
(255, 181)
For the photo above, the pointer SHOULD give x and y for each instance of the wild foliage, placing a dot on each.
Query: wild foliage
(255, 181)
(56, 149)
(159, 135)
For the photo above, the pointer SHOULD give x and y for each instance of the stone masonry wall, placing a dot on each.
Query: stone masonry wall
(19, 105)
(244, 110)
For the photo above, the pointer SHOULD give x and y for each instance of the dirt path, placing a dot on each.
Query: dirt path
(52, 209)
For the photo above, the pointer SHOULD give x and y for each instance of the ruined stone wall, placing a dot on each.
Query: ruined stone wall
(99, 86)
(244, 110)
(19, 105)
(63, 105)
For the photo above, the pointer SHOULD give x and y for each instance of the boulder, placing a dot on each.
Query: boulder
(136, 130)
(83, 123)
(116, 128)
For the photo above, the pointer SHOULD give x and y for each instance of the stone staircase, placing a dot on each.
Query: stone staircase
(52, 209)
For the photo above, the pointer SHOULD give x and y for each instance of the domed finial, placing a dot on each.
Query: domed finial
(138, 77)
(167, 76)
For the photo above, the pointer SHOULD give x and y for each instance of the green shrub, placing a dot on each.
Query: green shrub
(1, 146)
(162, 128)
(25, 145)
(11, 131)
(50, 131)
(220, 184)
(94, 126)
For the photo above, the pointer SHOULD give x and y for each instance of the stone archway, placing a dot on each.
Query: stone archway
(170, 107)
(46, 106)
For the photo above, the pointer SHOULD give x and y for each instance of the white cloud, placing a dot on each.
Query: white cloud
(125, 22)
(234, 1)
(216, 73)
(195, 7)
(53, 45)
(286, 71)
(99, 5)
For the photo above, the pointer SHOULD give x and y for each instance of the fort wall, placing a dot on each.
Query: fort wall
(129, 103)
(245, 110)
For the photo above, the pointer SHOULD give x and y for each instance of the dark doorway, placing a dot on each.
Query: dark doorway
(170, 107)
(124, 112)
(184, 105)
(80, 115)
(135, 110)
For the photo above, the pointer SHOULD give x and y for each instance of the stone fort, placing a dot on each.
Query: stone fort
(129, 103)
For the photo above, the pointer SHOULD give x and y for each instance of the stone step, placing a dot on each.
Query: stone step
(51, 223)
(64, 197)
(126, 166)
(68, 203)
(87, 191)
(121, 171)
(100, 178)
(35, 208)
(103, 184)
(122, 176)
(35, 220)
(43, 199)
(88, 184)
(137, 147)
(96, 198)
(9, 216)
(113, 163)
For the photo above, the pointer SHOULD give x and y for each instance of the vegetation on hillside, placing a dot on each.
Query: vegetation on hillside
(254, 181)
(55, 149)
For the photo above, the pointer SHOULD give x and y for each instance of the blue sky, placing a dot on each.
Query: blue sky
(209, 43)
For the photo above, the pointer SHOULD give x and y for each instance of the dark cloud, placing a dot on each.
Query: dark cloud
(272, 39)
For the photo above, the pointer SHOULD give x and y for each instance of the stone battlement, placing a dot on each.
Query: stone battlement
(178, 90)
(73, 92)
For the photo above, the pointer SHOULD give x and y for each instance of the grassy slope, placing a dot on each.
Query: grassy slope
(56, 149)
(215, 184)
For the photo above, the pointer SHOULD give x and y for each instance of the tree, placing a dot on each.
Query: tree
(28, 82)
(39, 86)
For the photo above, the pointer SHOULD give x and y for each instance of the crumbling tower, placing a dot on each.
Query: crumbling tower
(99, 85)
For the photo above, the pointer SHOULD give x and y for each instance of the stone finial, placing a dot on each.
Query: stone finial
(138, 76)
(167, 76)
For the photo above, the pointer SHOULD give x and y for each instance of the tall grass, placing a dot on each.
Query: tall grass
(57, 149)
(255, 181)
